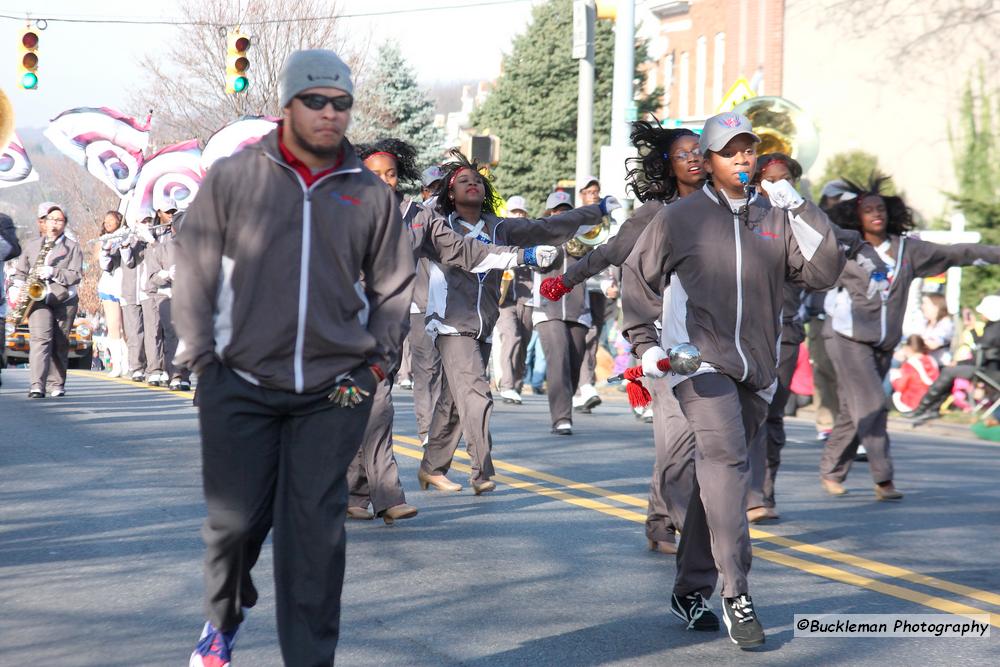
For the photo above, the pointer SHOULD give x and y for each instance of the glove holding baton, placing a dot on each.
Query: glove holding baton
(683, 359)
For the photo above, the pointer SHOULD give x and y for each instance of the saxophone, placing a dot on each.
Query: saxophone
(34, 288)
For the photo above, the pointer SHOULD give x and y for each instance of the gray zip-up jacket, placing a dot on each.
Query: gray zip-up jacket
(159, 259)
(716, 280)
(65, 258)
(573, 307)
(468, 304)
(134, 271)
(268, 276)
(875, 317)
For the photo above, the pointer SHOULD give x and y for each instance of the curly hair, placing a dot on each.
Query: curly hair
(449, 171)
(846, 213)
(404, 154)
(649, 175)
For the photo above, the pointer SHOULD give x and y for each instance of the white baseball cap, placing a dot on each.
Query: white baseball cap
(517, 203)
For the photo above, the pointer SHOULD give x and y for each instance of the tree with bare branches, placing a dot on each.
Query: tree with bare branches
(187, 91)
(920, 30)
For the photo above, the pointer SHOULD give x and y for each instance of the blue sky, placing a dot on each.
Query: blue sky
(94, 64)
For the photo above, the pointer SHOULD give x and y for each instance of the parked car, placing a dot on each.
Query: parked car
(81, 344)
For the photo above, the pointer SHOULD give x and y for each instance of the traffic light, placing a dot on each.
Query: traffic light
(237, 62)
(607, 9)
(28, 67)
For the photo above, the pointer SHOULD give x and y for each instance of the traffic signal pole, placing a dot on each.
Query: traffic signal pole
(584, 13)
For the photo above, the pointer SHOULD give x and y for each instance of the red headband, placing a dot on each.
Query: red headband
(458, 171)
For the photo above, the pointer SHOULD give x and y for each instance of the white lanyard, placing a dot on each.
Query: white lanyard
(475, 231)
(883, 252)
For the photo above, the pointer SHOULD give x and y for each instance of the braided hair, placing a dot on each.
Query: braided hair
(404, 154)
(898, 214)
(450, 171)
(650, 175)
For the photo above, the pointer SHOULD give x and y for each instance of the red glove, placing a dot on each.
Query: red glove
(554, 289)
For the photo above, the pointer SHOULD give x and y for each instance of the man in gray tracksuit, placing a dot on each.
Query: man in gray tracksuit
(161, 268)
(462, 309)
(697, 268)
(288, 346)
(143, 333)
(514, 324)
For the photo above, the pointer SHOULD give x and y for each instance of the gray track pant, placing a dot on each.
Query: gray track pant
(275, 460)
(673, 472)
(425, 368)
(465, 404)
(132, 314)
(373, 476)
(515, 328)
(863, 411)
(48, 352)
(765, 452)
(563, 343)
(824, 377)
(725, 417)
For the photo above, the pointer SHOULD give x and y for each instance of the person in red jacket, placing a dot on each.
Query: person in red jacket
(911, 380)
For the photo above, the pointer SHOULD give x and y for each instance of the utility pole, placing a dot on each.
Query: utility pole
(584, 14)
(623, 110)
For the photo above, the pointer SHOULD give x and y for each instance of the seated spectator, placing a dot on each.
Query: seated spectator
(987, 358)
(939, 328)
(916, 374)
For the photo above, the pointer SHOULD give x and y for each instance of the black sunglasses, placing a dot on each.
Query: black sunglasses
(317, 102)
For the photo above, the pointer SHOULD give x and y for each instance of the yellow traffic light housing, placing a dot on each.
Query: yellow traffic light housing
(607, 9)
(28, 65)
(237, 62)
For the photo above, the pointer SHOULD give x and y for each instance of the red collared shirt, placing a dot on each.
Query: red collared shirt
(300, 167)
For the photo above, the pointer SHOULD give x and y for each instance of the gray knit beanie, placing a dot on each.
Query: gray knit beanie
(314, 68)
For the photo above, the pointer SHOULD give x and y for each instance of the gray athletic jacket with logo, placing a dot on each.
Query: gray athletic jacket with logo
(268, 276)
(716, 279)
(875, 317)
(468, 304)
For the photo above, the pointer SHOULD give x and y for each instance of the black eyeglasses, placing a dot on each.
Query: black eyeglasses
(318, 102)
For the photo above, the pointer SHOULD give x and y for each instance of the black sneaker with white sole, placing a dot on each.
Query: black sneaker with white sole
(694, 610)
(741, 621)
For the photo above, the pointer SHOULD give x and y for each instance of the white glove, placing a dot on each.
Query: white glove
(609, 204)
(649, 360)
(163, 274)
(46, 272)
(545, 255)
(172, 271)
(782, 194)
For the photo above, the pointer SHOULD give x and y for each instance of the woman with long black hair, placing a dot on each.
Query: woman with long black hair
(462, 309)
(864, 325)
(668, 166)
(373, 476)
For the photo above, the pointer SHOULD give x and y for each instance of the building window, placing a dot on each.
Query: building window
(700, 75)
(719, 69)
(684, 96)
(668, 85)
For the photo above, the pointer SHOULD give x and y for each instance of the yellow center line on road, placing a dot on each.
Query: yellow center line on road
(412, 448)
(826, 571)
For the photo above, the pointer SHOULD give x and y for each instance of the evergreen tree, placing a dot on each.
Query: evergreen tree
(393, 105)
(977, 170)
(533, 107)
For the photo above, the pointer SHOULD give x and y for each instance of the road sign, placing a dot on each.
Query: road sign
(740, 92)
(583, 29)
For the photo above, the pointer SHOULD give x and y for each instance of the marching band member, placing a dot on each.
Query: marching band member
(462, 309)
(143, 333)
(669, 166)
(864, 326)
(159, 286)
(697, 265)
(57, 262)
(514, 324)
(600, 306)
(109, 291)
(562, 328)
(373, 475)
(10, 248)
(289, 347)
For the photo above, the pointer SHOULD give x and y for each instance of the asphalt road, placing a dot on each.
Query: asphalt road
(100, 556)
